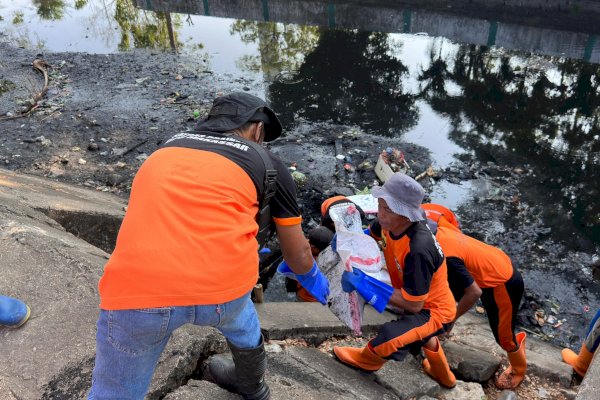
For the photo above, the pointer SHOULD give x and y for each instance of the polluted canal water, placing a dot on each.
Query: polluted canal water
(510, 127)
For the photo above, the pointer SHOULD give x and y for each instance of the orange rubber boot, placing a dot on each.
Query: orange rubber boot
(436, 366)
(514, 374)
(580, 362)
(364, 358)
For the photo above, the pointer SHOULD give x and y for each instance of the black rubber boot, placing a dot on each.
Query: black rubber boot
(245, 374)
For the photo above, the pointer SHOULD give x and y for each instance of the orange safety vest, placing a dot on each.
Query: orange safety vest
(488, 265)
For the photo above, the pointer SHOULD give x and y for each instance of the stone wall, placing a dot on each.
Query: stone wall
(516, 26)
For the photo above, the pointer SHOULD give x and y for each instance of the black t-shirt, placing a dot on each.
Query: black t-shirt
(423, 259)
(459, 277)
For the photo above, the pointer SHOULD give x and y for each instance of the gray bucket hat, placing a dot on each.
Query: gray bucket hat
(235, 109)
(403, 196)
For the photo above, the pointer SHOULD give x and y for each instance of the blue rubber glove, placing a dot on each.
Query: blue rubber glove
(375, 292)
(314, 281)
(265, 250)
(286, 271)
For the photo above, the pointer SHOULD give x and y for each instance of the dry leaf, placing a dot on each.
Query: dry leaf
(540, 317)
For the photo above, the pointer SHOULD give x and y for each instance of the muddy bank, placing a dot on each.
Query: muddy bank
(104, 114)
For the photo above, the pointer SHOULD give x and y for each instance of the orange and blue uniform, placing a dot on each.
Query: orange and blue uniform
(470, 260)
(189, 234)
(416, 266)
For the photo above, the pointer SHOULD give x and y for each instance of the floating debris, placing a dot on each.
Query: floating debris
(299, 178)
(559, 323)
(540, 317)
(395, 159)
(390, 161)
(365, 190)
(428, 172)
(366, 165)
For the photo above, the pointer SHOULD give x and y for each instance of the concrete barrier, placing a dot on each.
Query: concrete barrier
(539, 27)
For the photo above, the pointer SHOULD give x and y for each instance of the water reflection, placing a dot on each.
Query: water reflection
(543, 112)
(139, 29)
(501, 105)
(281, 47)
(349, 78)
(52, 9)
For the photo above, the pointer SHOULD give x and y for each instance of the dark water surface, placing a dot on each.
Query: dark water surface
(509, 95)
(506, 105)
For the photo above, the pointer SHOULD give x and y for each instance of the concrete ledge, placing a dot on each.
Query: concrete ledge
(311, 321)
(590, 386)
(88, 214)
(543, 359)
(42, 194)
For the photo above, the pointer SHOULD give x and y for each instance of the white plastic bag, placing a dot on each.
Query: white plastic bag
(367, 202)
(348, 307)
(356, 249)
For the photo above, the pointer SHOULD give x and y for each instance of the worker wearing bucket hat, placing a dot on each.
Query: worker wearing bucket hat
(419, 280)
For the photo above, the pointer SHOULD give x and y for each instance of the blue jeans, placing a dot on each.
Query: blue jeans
(130, 342)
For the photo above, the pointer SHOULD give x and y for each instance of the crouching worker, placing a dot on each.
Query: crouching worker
(581, 362)
(419, 285)
(187, 251)
(13, 312)
(476, 269)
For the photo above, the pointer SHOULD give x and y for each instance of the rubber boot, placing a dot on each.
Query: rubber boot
(364, 358)
(436, 366)
(244, 374)
(13, 312)
(580, 362)
(514, 374)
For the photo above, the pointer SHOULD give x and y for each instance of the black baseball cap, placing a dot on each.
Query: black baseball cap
(320, 237)
(235, 109)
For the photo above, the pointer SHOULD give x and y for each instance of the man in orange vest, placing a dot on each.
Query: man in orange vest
(418, 274)
(187, 252)
(478, 270)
